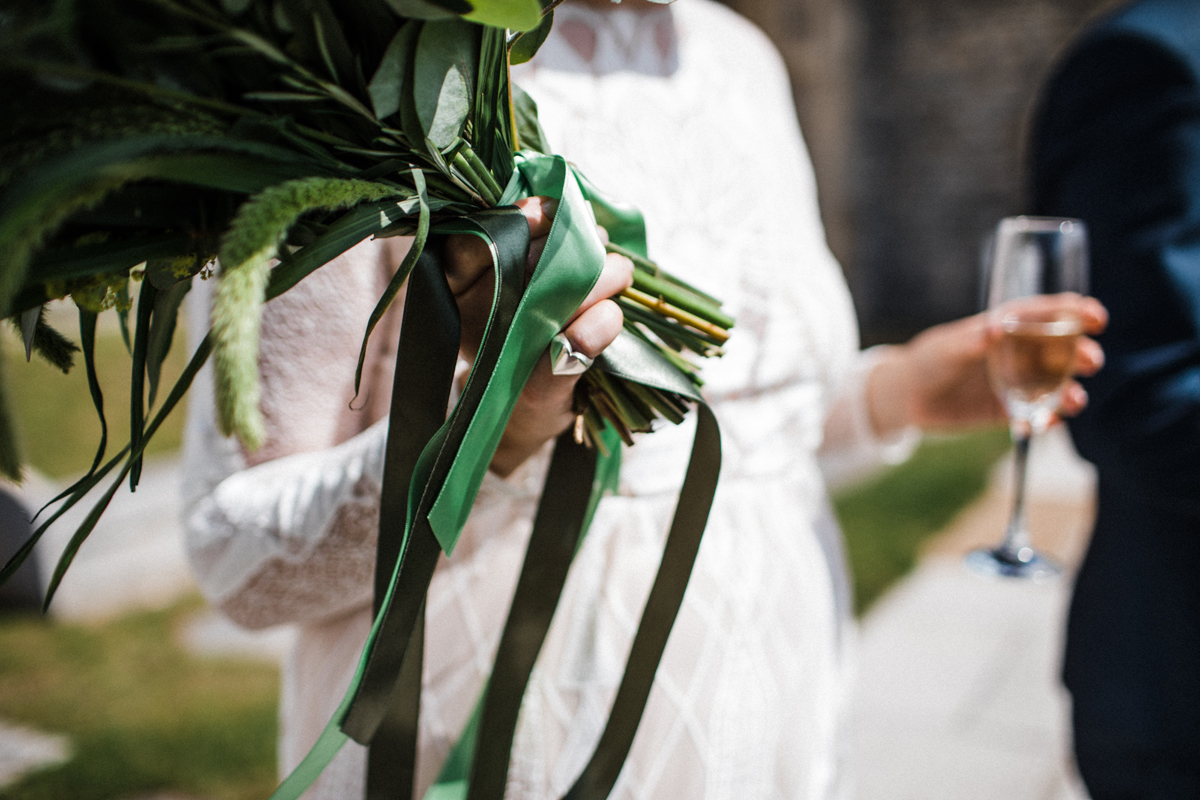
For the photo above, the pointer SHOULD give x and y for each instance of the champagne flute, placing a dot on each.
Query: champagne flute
(1031, 258)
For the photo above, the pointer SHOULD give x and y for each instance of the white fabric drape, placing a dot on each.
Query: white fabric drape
(685, 112)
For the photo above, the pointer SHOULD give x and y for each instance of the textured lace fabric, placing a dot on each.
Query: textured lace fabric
(685, 112)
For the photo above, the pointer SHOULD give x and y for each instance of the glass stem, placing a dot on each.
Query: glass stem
(1016, 538)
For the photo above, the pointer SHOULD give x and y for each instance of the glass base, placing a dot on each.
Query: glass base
(1025, 564)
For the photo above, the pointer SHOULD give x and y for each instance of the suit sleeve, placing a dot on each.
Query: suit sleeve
(1118, 145)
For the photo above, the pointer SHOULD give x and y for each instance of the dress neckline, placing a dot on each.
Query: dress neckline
(606, 41)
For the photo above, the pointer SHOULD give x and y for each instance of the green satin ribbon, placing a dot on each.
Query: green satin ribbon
(474, 773)
(508, 232)
(445, 478)
(550, 299)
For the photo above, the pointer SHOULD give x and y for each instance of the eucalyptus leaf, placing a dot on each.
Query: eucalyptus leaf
(529, 131)
(388, 81)
(447, 59)
(423, 9)
(525, 46)
(410, 122)
(517, 15)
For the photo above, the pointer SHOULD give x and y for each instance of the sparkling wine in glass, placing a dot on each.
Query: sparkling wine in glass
(1032, 258)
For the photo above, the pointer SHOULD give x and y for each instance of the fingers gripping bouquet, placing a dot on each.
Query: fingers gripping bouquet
(152, 143)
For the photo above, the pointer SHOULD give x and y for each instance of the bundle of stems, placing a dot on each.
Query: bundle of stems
(148, 139)
(673, 317)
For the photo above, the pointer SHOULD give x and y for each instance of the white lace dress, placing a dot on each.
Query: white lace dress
(684, 111)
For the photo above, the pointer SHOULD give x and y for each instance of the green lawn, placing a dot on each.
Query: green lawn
(142, 716)
(57, 427)
(886, 520)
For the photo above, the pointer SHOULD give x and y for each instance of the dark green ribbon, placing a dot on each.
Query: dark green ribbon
(428, 348)
(508, 234)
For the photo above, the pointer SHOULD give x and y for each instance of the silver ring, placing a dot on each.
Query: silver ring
(566, 361)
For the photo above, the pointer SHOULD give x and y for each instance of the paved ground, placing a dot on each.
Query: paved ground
(22, 749)
(134, 557)
(958, 695)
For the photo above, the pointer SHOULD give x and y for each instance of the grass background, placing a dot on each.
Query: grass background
(58, 429)
(886, 520)
(145, 717)
(142, 715)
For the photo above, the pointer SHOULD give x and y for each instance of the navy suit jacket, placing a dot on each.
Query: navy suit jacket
(1116, 142)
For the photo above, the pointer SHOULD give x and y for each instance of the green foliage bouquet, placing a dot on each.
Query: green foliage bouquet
(148, 141)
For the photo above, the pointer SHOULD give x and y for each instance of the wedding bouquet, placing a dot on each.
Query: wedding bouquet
(148, 143)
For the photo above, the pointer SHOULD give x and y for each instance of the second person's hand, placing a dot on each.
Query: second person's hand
(939, 379)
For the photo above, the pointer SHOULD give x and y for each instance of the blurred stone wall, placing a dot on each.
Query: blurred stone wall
(915, 113)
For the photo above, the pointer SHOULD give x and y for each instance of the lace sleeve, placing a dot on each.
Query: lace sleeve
(287, 534)
(851, 450)
(293, 539)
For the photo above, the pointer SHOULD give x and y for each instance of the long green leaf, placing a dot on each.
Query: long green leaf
(78, 491)
(36, 206)
(87, 341)
(123, 305)
(72, 496)
(89, 523)
(10, 455)
(23, 229)
(137, 408)
(162, 333)
(406, 265)
(352, 228)
(117, 254)
(492, 128)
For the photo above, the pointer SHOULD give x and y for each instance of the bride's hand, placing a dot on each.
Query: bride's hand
(545, 406)
(939, 379)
